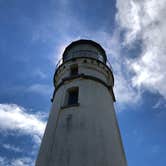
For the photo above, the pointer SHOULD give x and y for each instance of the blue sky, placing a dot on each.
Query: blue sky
(33, 35)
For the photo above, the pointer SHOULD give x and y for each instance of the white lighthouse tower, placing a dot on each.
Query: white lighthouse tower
(82, 129)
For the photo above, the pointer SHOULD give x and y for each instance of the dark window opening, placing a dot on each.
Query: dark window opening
(85, 61)
(72, 96)
(74, 70)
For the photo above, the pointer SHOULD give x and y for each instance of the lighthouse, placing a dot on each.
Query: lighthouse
(82, 128)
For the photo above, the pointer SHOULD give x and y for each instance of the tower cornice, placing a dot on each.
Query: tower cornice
(77, 58)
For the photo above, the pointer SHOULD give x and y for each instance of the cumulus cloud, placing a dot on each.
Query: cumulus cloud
(11, 148)
(145, 21)
(15, 118)
(24, 161)
(124, 91)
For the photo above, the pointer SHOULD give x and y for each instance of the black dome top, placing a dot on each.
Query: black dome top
(84, 41)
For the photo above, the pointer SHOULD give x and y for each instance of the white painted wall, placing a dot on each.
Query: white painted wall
(84, 135)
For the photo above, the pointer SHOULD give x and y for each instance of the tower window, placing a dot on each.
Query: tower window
(74, 70)
(72, 96)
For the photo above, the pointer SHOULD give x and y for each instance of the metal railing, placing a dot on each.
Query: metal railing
(84, 53)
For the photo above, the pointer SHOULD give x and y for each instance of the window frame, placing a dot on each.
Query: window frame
(68, 97)
(74, 70)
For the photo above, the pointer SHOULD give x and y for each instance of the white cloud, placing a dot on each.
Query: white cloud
(12, 148)
(159, 104)
(145, 20)
(125, 93)
(24, 161)
(128, 18)
(15, 118)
